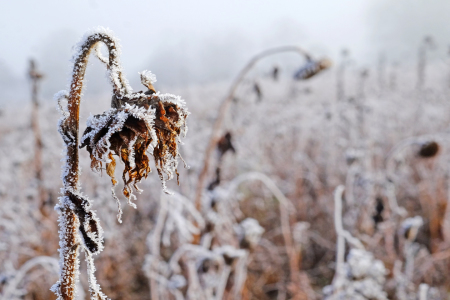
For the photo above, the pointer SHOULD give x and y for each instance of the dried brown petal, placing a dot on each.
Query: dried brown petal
(110, 168)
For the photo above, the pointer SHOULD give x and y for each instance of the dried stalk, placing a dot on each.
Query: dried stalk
(35, 77)
(342, 236)
(427, 44)
(69, 128)
(74, 209)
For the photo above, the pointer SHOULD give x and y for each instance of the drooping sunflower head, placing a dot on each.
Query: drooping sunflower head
(428, 149)
(138, 124)
(312, 68)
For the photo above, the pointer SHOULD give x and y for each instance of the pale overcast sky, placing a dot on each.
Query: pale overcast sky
(142, 25)
(197, 41)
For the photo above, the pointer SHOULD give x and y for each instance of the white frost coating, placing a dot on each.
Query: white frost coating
(174, 219)
(423, 291)
(119, 207)
(131, 152)
(179, 217)
(147, 78)
(58, 97)
(230, 251)
(362, 264)
(86, 206)
(364, 278)
(114, 68)
(300, 232)
(343, 235)
(63, 249)
(68, 140)
(209, 284)
(250, 231)
(94, 287)
(99, 54)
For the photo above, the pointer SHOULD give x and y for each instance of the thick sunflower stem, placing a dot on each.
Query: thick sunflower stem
(69, 128)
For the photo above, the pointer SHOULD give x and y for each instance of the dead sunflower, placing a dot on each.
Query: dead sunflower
(428, 149)
(311, 68)
(138, 124)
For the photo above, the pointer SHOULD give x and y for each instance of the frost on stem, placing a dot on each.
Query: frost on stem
(361, 276)
(148, 79)
(91, 41)
(364, 278)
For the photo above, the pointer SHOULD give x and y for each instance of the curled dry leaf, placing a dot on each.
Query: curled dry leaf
(90, 229)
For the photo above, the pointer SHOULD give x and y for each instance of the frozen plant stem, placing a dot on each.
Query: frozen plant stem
(342, 236)
(69, 222)
(35, 77)
(426, 45)
(215, 135)
(340, 245)
(69, 129)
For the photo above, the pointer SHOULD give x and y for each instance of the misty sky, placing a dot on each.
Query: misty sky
(142, 25)
(196, 41)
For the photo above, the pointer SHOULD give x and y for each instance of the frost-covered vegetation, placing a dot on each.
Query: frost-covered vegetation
(321, 186)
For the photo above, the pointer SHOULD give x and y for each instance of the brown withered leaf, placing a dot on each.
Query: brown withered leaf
(89, 226)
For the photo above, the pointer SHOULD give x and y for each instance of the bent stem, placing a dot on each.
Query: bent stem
(215, 135)
(69, 128)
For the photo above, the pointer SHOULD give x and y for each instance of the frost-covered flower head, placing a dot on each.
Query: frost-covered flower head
(137, 125)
